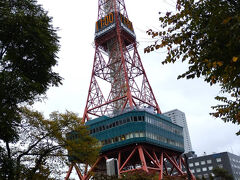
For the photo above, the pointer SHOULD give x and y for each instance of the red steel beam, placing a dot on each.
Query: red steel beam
(120, 169)
(161, 167)
(119, 161)
(89, 174)
(78, 172)
(69, 172)
(173, 163)
(142, 157)
(154, 161)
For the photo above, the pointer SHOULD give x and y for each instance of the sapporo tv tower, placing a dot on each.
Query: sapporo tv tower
(128, 121)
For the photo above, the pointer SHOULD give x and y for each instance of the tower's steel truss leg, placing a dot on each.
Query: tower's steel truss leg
(139, 157)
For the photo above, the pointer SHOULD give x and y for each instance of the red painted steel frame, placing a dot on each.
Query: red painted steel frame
(140, 157)
(130, 94)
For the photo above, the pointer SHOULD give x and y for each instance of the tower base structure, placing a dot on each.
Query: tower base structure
(139, 157)
(140, 141)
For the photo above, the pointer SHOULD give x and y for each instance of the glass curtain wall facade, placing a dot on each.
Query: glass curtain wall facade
(137, 127)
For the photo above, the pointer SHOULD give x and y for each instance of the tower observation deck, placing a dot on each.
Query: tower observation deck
(137, 127)
(127, 120)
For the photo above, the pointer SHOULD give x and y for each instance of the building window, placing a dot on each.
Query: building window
(218, 159)
(142, 134)
(131, 135)
(203, 162)
(192, 170)
(196, 163)
(198, 170)
(204, 169)
(115, 139)
(135, 118)
(123, 137)
(120, 121)
(209, 161)
(199, 176)
(136, 134)
(206, 175)
(210, 168)
(190, 164)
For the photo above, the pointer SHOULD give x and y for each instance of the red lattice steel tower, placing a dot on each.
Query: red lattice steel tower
(118, 64)
(138, 139)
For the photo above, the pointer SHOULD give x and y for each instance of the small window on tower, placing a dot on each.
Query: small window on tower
(135, 118)
(139, 118)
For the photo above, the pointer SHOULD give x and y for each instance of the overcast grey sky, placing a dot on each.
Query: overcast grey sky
(76, 21)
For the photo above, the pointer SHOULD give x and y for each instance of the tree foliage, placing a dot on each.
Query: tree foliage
(28, 47)
(41, 151)
(138, 175)
(205, 33)
(222, 173)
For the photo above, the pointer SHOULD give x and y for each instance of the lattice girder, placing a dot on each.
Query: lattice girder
(139, 158)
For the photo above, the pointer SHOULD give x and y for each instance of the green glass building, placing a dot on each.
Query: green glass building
(137, 126)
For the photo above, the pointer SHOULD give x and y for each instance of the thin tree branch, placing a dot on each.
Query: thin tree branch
(8, 150)
(25, 153)
(40, 161)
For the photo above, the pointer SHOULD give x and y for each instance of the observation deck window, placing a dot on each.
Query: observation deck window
(140, 118)
(141, 134)
(135, 118)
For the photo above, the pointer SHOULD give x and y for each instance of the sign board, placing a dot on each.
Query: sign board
(108, 23)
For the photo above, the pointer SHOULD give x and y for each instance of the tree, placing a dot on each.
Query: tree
(41, 151)
(183, 177)
(139, 175)
(222, 173)
(99, 176)
(134, 175)
(28, 48)
(205, 33)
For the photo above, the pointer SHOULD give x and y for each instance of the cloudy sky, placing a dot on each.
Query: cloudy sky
(76, 20)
